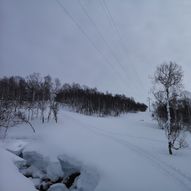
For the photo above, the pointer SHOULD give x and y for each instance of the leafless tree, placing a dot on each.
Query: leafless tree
(10, 117)
(53, 104)
(169, 78)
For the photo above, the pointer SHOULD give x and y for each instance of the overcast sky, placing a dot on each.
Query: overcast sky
(113, 45)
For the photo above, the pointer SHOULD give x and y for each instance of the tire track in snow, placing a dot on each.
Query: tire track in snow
(176, 174)
(168, 169)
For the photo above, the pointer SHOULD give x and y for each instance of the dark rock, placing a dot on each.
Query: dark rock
(71, 179)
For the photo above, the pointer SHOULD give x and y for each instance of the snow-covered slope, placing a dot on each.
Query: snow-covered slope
(10, 178)
(124, 153)
(111, 44)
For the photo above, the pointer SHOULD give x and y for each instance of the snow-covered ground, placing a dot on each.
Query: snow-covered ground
(122, 153)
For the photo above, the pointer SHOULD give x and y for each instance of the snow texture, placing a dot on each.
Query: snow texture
(35, 159)
(58, 187)
(10, 178)
(124, 153)
(54, 171)
(69, 165)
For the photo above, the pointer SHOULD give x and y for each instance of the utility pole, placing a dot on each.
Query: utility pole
(149, 101)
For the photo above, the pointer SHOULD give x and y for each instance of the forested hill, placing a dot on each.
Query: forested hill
(37, 90)
(88, 100)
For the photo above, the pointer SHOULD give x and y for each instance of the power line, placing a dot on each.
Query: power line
(79, 27)
(100, 34)
(83, 31)
(112, 20)
(115, 27)
(92, 21)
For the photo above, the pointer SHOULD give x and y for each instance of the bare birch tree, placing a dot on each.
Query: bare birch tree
(169, 78)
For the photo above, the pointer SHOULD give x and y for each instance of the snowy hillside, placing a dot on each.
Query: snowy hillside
(108, 44)
(124, 153)
(97, 58)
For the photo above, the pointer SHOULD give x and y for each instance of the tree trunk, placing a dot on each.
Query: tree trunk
(170, 148)
(168, 123)
(168, 112)
(49, 114)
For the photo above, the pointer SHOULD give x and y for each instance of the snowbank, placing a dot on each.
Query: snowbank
(124, 153)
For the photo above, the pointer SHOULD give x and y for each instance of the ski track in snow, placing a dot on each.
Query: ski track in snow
(175, 173)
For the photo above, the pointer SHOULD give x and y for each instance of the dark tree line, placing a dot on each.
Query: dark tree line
(37, 92)
(181, 113)
(32, 88)
(90, 101)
